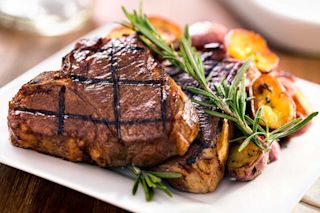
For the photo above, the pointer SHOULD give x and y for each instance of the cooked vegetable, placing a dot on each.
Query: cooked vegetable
(243, 44)
(203, 166)
(277, 106)
(168, 30)
(287, 80)
(303, 107)
(247, 164)
(274, 152)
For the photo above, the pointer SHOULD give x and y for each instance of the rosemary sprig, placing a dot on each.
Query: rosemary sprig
(230, 99)
(150, 180)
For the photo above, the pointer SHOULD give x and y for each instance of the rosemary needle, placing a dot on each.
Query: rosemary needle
(150, 180)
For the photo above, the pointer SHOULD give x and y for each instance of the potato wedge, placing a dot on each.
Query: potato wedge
(277, 106)
(242, 44)
(203, 166)
(170, 31)
(303, 107)
(247, 164)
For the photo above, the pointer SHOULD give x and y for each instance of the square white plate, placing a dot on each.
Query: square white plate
(279, 188)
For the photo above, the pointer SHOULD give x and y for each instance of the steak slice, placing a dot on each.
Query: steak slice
(111, 103)
(203, 166)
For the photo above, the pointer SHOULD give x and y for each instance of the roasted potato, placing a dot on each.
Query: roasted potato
(277, 106)
(169, 30)
(274, 152)
(303, 107)
(247, 164)
(287, 80)
(203, 166)
(242, 44)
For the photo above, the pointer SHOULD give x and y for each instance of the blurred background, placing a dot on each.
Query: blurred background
(32, 30)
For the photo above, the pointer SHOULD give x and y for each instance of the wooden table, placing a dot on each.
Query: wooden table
(22, 192)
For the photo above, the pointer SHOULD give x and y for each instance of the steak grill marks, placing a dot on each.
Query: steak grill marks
(61, 115)
(40, 112)
(116, 93)
(86, 80)
(163, 105)
(61, 110)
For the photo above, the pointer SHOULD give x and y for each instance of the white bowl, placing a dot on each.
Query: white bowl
(291, 24)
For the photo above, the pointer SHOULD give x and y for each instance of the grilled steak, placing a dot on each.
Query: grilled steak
(203, 166)
(111, 103)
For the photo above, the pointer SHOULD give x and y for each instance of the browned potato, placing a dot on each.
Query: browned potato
(242, 44)
(169, 30)
(204, 173)
(303, 107)
(287, 80)
(247, 164)
(277, 106)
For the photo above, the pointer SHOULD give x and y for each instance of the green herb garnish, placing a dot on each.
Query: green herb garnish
(151, 180)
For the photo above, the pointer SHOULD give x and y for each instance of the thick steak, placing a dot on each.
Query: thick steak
(203, 166)
(110, 103)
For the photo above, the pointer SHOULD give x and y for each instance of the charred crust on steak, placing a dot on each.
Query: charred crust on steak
(111, 101)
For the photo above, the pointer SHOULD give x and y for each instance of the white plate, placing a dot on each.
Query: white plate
(279, 188)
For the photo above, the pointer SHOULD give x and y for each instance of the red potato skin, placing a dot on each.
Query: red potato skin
(252, 171)
(288, 80)
(274, 152)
